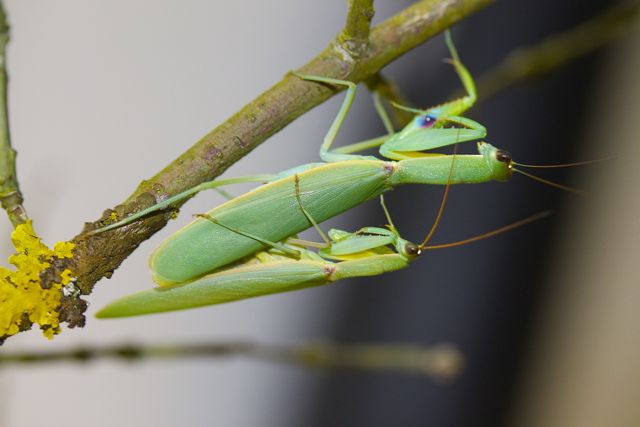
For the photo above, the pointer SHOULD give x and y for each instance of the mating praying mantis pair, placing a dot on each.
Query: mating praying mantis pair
(231, 253)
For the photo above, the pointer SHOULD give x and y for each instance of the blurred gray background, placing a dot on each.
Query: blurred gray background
(104, 94)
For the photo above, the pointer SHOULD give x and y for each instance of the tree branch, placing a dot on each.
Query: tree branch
(441, 362)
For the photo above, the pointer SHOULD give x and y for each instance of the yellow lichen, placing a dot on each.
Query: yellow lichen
(21, 293)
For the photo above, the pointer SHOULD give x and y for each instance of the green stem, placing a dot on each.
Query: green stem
(10, 195)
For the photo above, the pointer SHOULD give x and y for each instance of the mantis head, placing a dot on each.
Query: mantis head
(500, 161)
(408, 249)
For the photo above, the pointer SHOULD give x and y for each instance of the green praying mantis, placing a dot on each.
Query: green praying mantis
(236, 231)
(290, 265)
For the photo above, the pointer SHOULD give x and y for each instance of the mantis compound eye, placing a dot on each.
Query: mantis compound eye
(426, 121)
(503, 156)
(412, 249)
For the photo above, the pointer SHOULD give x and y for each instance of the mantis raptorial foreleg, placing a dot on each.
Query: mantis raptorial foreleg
(429, 129)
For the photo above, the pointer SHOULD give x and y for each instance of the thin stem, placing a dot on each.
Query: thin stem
(10, 195)
(441, 362)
